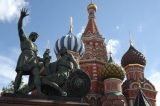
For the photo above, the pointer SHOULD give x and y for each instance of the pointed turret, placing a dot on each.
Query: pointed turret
(95, 56)
(91, 26)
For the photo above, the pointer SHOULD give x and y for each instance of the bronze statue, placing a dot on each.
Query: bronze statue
(65, 78)
(28, 61)
(60, 78)
(64, 66)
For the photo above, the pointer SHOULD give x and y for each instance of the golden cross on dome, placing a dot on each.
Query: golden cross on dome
(110, 53)
(71, 24)
(91, 1)
(130, 40)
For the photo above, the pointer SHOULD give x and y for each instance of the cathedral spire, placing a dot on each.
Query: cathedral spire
(110, 51)
(110, 55)
(91, 26)
(71, 25)
(91, 1)
(130, 39)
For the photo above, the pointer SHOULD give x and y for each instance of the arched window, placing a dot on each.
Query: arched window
(148, 86)
(134, 85)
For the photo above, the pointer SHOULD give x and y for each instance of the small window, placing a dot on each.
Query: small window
(135, 86)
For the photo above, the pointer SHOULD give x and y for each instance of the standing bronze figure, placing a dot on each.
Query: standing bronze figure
(28, 62)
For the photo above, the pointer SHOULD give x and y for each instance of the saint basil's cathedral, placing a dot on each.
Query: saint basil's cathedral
(108, 87)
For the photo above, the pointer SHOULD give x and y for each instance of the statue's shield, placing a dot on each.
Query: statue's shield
(78, 83)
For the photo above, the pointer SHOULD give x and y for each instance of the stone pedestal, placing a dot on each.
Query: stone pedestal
(13, 101)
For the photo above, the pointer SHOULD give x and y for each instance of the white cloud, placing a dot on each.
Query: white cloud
(113, 46)
(9, 9)
(154, 78)
(7, 69)
(81, 32)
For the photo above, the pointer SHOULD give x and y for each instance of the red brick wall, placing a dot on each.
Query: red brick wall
(112, 85)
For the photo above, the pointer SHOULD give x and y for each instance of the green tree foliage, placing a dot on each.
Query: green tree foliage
(10, 87)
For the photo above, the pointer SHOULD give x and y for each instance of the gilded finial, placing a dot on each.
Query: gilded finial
(92, 6)
(71, 24)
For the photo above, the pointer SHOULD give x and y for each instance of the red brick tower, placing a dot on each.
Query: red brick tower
(113, 76)
(95, 56)
(134, 63)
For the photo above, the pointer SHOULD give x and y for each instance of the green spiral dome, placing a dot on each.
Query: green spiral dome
(112, 70)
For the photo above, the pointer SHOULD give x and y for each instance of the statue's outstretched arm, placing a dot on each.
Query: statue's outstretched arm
(20, 23)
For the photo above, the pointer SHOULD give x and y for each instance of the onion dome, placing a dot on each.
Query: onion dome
(71, 42)
(112, 70)
(133, 56)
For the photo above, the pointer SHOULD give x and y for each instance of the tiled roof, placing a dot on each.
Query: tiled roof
(91, 26)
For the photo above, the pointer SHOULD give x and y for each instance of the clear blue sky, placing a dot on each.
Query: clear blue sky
(115, 19)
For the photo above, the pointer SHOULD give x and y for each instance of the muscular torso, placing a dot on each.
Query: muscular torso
(27, 44)
(28, 56)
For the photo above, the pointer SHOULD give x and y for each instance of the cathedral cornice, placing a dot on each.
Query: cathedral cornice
(133, 65)
(91, 61)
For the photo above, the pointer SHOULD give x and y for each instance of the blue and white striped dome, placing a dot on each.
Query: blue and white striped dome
(71, 42)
